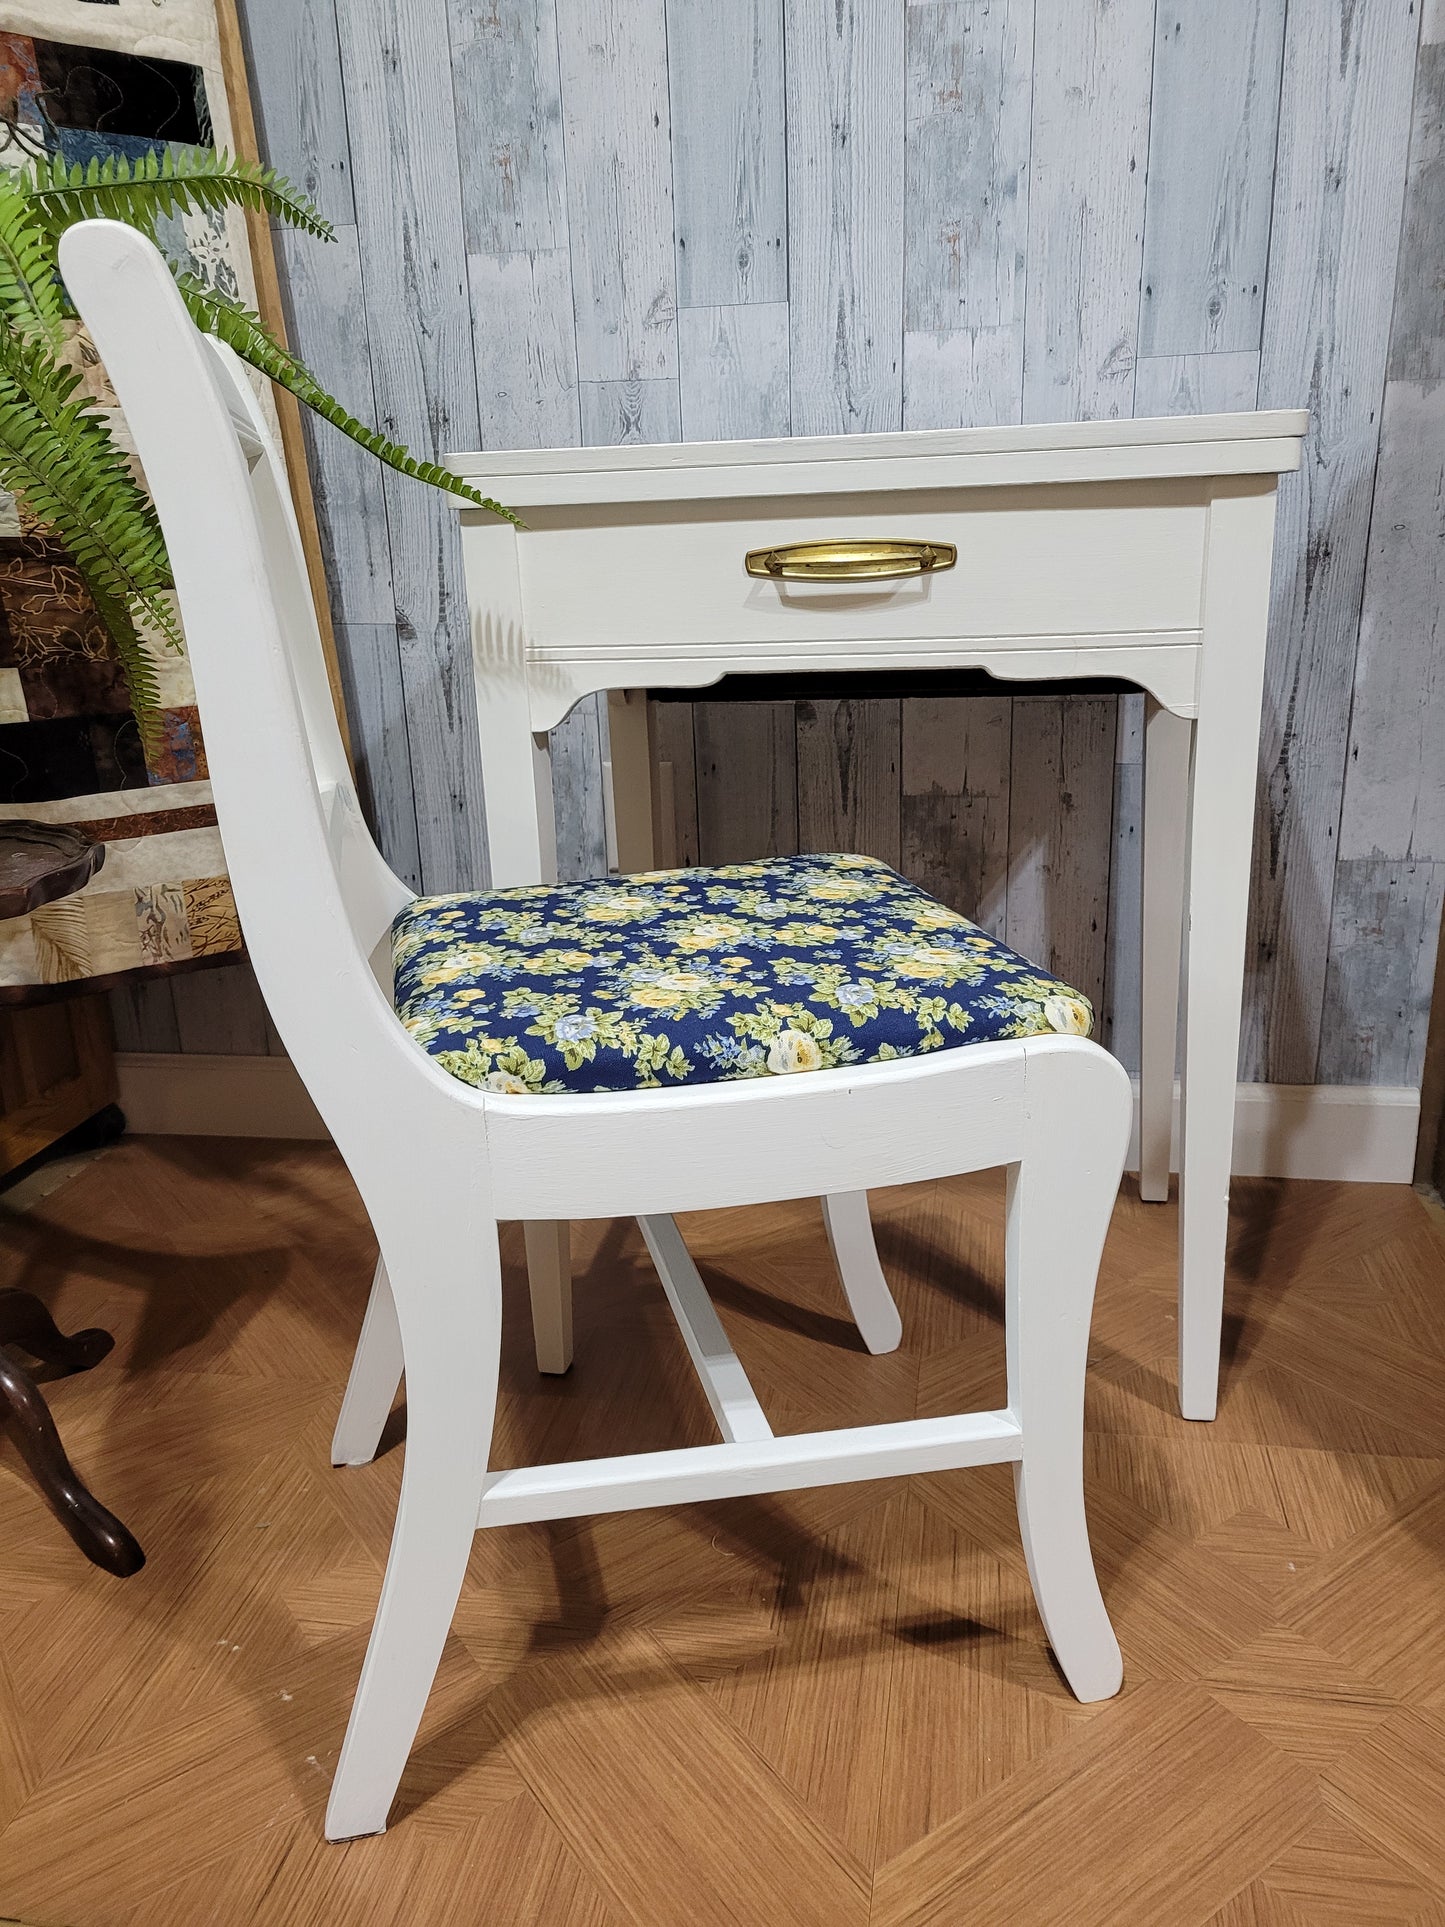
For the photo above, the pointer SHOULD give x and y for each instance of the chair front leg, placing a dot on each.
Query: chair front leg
(375, 1375)
(1060, 1197)
(451, 1331)
(850, 1234)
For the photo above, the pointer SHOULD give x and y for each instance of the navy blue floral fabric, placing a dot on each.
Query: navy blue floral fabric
(695, 976)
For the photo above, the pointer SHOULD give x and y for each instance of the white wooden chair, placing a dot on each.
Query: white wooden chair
(439, 1162)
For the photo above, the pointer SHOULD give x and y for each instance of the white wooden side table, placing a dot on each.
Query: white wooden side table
(1132, 549)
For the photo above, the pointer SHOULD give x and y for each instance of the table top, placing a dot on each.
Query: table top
(1261, 442)
(40, 862)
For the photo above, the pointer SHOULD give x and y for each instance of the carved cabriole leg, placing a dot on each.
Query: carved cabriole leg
(98, 1533)
(25, 1322)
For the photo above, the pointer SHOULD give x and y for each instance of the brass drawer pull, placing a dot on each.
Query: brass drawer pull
(850, 561)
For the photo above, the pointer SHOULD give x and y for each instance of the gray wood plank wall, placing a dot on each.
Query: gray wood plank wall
(571, 221)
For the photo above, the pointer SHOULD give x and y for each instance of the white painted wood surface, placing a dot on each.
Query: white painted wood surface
(373, 1380)
(549, 1284)
(1203, 168)
(725, 1385)
(699, 1473)
(1169, 742)
(438, 1162)
(1231, 674)
(1054, 452)
(850, 1236)
(1123, 958)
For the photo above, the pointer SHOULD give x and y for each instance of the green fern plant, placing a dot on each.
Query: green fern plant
(57, 455)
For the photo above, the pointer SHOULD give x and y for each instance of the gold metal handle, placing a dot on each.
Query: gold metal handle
(850, 561)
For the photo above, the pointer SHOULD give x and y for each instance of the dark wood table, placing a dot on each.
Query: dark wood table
(39, 863)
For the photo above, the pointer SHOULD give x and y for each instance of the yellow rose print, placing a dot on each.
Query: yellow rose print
(621, 907)
(1068, 1015)
(666, 987)
(793, 1050)
(786, 965)
(927, 960)
(708, 933)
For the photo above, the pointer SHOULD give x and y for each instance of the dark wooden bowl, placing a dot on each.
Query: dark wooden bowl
(42, 861)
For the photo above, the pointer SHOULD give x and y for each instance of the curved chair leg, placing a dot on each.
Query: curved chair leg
(452, 1343)
(375, 1375)
(850, 1234)
(1060, 1197)
(549, 1280)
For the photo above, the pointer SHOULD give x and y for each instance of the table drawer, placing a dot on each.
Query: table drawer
(1058, 561)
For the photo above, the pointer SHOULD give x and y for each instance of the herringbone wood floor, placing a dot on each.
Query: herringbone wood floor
(835, 1708)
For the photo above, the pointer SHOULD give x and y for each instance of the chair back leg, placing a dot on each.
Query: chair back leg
(549, 1281)
(1060, 1198)
(375, 1375)
(850, 1236)
(448, 1296)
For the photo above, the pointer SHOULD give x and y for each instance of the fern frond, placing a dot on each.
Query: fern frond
(57, 456)
(243, 332)
(31, 297)
(140, 189)
(141, 681)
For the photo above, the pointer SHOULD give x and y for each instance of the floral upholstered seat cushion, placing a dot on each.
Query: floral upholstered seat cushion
(695, 976)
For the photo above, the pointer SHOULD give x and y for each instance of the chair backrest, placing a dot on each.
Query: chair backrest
(315, 897)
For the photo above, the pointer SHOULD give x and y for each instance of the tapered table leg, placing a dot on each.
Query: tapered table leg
(1221, 824)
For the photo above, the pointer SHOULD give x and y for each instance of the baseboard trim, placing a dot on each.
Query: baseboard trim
(169, 1094)
(1352, 1133)
(1363, 1133)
